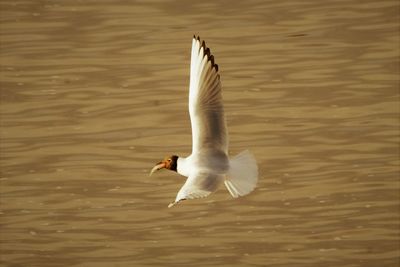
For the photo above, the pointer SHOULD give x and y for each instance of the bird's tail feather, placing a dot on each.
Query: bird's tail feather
(243, 174)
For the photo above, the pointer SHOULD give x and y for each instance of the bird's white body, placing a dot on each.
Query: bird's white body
(209, 165)
(217, 163)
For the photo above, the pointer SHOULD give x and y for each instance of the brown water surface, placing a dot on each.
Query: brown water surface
(93, 93)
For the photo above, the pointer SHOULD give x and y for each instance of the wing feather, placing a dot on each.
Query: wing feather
(205, 101)
(199, 185)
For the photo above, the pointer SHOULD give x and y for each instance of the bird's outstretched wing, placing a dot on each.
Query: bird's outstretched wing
(198, 186)
(205, 101)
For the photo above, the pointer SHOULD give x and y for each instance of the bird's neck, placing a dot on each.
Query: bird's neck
(183, 166)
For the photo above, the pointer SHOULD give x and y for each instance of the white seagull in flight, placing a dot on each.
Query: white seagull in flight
(209, 165)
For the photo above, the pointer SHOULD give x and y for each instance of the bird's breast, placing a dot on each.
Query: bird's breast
(211, 161)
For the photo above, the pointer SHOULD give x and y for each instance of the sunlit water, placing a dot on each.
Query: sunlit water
(94, 93)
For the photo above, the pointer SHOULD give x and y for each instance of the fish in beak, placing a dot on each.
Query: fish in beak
(169, 163)
(158, 166)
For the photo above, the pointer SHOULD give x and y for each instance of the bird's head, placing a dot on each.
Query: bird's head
(170, 163)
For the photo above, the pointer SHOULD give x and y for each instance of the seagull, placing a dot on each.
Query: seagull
(209, 165)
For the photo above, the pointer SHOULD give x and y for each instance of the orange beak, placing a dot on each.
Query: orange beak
(158, 166)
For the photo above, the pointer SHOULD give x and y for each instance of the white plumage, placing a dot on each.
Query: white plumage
(209, 166)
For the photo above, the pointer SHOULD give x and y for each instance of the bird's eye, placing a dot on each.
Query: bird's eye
(169, 160)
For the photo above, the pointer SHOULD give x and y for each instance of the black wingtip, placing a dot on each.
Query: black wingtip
(207, 52)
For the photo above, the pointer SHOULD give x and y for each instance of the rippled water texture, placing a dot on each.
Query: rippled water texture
(94, 93)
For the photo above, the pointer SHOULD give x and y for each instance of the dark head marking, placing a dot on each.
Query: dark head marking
(172, 163)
